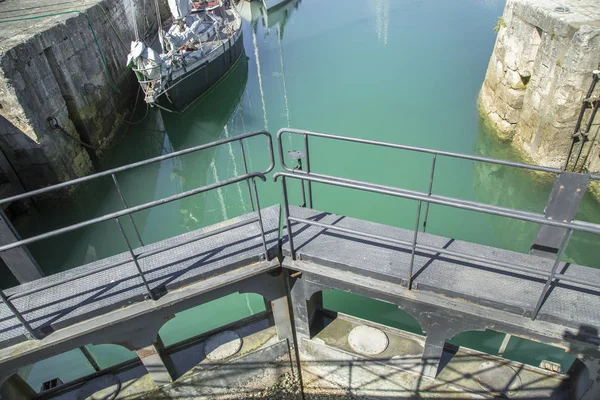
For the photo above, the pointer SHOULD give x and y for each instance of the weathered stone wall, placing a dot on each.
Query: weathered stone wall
(51, 70)
(539, 72)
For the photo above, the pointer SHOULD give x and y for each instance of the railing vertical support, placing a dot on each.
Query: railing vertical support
(30, 333)
(286, 209)
(414, 247)
(310, 198)
(431, 176)
(559, 255)
(260, 221)
(135, 260)
(246, 172)
(137, 233)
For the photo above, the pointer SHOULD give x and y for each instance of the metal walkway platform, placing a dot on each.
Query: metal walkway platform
(567, 304)
(449, 286)
(192, 257)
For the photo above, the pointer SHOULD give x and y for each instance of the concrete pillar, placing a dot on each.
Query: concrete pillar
(584, 378)
(300, 309)
(19, 261)
(432, 352)
(15, 388)
(157, 363)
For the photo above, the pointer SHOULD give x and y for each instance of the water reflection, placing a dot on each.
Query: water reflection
(273, 22)
(382, 18)
(254, 12)
(207, 121)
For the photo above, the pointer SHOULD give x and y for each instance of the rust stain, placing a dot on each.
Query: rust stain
(146, 352)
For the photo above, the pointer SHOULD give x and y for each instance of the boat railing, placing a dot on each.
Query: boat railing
(153, 88)
(309, 176)
(127, 212)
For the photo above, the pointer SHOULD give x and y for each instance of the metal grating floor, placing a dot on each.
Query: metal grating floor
(568, 304)
(119, 286)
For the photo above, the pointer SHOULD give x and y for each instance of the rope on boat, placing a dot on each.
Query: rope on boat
(110, 79)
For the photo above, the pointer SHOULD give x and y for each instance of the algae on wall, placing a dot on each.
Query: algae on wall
(64, 87)
(539, 73)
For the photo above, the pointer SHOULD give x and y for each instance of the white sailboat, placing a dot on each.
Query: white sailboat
(201, 45)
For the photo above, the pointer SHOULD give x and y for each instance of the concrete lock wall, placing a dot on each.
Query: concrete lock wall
(55, 92)
(538, 75)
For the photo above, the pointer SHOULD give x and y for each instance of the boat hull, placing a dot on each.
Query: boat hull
(186, 89)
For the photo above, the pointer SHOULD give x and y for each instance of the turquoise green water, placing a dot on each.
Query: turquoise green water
(400, 71)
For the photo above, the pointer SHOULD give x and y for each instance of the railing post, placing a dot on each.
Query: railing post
(246, 172)
(30, 333)
(286, 209)
(414, 247)
(429, 191)
(260, 221)
(310, 198)
(114, 177)
(552, 274)
(135, 260)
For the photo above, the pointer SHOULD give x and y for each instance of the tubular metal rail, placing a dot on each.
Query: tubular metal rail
(427, 198)
(128, 211)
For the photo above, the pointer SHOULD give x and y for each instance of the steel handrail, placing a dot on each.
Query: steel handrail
(445, 201)
(441, 200)
(146, 162)
(134, 257)
(128, 211)
(411, 148)
(429, 197)
(306, 134)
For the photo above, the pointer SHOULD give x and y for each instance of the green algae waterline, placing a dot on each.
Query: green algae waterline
(399, 71)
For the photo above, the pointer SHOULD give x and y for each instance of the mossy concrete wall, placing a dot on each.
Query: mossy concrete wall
(538, 75)
(58, 107)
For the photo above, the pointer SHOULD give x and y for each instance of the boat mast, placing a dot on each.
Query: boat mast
(260, 82)
(161, 39)
(285, 97)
